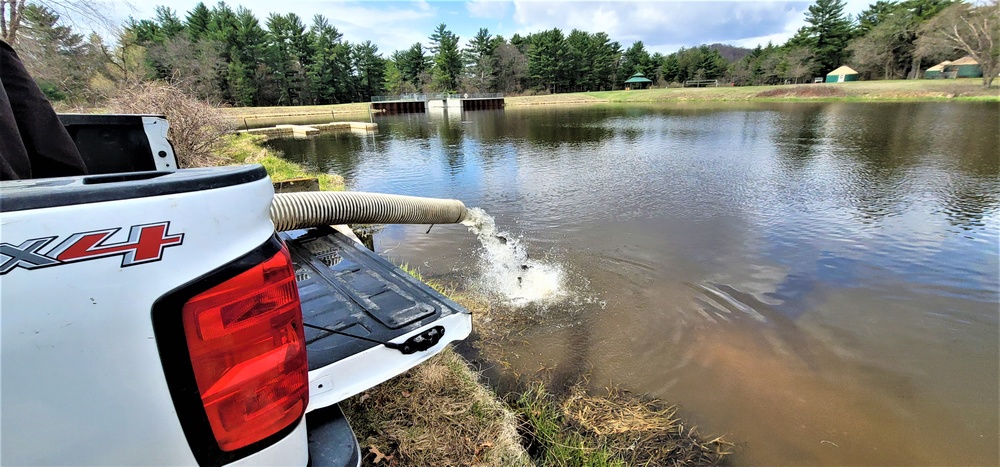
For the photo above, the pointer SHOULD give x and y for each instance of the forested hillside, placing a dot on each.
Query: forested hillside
(227, 55)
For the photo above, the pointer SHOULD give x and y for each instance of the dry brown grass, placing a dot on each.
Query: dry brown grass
(436, 414)
(615, 429)
(640, 431)
(197, 129)
(803, 91)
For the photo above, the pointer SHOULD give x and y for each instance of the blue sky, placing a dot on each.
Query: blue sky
(663, 26)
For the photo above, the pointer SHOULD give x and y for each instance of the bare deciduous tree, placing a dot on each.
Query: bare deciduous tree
(195, 65)
(196, 128)
(91, 11)
(970, 28)
(513, 67)
(801, 62)
(10, 19)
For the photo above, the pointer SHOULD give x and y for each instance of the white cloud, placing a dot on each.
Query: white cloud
(664, 25)
(492, 9)
(390, 25)
(777, 38)
(378, 16)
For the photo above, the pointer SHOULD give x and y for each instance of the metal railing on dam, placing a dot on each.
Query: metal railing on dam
(422, 97)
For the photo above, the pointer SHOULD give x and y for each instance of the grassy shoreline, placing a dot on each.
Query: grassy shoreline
(442, 412)
(969, 89)
(242, 148)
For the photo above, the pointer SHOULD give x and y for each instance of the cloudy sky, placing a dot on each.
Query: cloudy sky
(663, 26)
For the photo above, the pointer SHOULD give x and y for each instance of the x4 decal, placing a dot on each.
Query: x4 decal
(145, 243)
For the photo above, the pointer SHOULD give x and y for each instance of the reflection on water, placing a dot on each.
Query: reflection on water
(817, 281)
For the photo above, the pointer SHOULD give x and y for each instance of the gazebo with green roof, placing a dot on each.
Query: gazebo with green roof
(638, 81)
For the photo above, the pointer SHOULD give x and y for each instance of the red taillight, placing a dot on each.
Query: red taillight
(248, 353)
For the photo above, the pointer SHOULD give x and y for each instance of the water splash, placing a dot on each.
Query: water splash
(506, 271)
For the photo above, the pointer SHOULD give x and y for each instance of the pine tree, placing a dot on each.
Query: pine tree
(289, 55)
(829, 30)
(874, 15)
(197, 22)
(249, 43)
(413, 64)
(607, 55)
(547, 60)
(636, 60)
(370, 70)
(482, 61)
(580, 53)
(447, 59)
(170, 24)
(327, 75)
(222, 25)
(394, 83)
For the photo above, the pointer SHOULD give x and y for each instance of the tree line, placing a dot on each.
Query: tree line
(227, 55)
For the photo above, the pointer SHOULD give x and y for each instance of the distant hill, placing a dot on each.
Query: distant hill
(730, 52)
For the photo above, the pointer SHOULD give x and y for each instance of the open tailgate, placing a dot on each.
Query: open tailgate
(366, 320)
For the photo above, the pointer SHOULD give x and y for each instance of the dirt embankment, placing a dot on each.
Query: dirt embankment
(803, 92)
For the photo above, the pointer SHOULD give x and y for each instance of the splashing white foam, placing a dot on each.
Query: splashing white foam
(506, 271)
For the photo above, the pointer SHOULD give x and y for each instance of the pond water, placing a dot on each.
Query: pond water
(817, 281)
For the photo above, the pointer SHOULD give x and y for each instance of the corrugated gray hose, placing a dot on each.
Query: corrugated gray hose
(290, 211)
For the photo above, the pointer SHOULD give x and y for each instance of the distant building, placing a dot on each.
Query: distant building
(842, 74)
(965, 67)
(638, 81)
(936, 70)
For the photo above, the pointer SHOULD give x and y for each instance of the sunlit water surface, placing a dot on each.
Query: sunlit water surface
(818, 282)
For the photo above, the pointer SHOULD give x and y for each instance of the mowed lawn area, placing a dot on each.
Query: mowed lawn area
(855, 90)
(917, 90)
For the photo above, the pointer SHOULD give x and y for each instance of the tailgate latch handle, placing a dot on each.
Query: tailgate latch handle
(419, 342)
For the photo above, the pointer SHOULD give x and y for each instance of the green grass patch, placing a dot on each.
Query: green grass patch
(855, 91)
(438, 286)
(549, 438)
(242, 148)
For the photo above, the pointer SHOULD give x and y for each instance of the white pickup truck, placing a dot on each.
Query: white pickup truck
(151, 315)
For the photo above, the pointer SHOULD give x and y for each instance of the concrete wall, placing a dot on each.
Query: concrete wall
(301, 131)
(272, 132)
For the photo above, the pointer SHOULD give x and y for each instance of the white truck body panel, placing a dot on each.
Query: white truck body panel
(103, 398)
(163, 153)
(93, 267)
